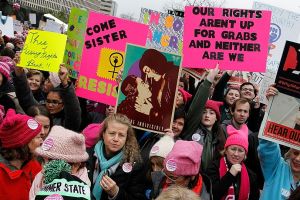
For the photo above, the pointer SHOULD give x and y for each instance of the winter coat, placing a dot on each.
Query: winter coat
(277, 172)
(131, 185)
(220, 186)
(15, 183)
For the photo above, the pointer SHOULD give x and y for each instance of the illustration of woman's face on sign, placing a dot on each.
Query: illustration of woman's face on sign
(149, 72)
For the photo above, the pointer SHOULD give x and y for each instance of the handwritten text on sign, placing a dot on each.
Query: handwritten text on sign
(42, 52)
(232, 37)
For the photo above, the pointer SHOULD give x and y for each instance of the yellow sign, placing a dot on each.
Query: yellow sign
(43, 51)
(111, 61)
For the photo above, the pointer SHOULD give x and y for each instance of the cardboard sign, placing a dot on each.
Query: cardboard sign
(32, 18)
(281, 123)
(148, 90)
(232, 37)
(18, 26)
(165, 31)
(42, 52)
(104, 31)
(285, 25)
(76, 32)
(6, 25)
(53, 26)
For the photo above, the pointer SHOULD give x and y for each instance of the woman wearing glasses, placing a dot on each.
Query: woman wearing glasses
(182, 168)
(230, 177)
(61, 102)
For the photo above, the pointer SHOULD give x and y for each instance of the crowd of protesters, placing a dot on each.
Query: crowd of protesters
(55, 143)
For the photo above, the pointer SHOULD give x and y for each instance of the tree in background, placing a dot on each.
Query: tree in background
(179, 5)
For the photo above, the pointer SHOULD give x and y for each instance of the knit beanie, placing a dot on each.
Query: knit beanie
(63, 144)
(184, 159)
(92, 134)
(8, 61)
(237, 137)
(186, 96)
(18, 130)
(215, 106)
(54, 79)
(4, 69)
(162, 147)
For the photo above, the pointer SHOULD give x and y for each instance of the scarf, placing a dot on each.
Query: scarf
(207, 154)
(245, 183)
(104, 166)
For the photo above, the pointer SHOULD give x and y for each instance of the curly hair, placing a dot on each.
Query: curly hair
(21, 153)
(131, 148)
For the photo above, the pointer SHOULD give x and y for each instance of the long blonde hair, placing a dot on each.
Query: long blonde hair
(131, 148)
(177, 193)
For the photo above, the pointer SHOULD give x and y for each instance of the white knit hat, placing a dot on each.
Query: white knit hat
(162, 147)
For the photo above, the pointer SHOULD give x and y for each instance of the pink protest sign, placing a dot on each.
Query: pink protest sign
(236, 38)
(102, 57)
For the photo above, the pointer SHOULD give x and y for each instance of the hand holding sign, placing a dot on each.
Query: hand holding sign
(63, 75)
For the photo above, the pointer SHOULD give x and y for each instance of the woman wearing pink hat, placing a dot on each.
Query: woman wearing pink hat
(202, 122)
(182, 98)
(182, 168)
(19, 136)
(230, 177)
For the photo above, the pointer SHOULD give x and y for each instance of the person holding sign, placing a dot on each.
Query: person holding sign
(230, 177)
(115, 163)
(64, 114)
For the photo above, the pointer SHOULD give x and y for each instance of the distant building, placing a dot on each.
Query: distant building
(105, 6)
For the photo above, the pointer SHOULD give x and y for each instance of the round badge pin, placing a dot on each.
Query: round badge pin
(32, 124)
(171, 165)
(54, 197)
(127, 167)
(196, 137)
(155, 149)
(47, 144)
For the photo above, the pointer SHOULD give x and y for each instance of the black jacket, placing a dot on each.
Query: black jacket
(131, 186)
(221, 186)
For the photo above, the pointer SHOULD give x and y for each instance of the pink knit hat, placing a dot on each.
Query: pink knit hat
(8, 61)
(214, 105)
(17, 130)
(63, 144)
(4, 69)
(162, 147)
(184, 159)
(237, 137)
(92, 134)
(186, 96)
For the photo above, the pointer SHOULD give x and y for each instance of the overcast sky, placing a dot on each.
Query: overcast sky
(134, 6)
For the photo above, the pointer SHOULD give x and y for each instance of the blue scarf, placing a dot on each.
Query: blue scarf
(104, 166)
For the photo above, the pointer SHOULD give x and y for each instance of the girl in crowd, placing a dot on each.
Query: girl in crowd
(182, 168)
(182, 98)
(231, 94)
(115, 163)
(35, 81)
(202, 122)
(42, 116)
(230, 177)
(65, 114)
(62, 144)
(19, 137)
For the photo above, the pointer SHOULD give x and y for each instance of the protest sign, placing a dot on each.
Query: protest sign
(104, 31)
(285, 25)
(6, 25)
(53, 26)
(42, 52)
(165, 30)
(281, 122)
(18, 26)
(232, 37)
(32, 18)
(148, 90)
(76, 32)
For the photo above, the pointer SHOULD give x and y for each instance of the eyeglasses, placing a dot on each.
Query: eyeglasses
(238, 150)
(53, 102)
(248, 89)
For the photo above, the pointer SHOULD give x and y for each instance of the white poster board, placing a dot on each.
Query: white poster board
(32, 18)
(6, 25)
